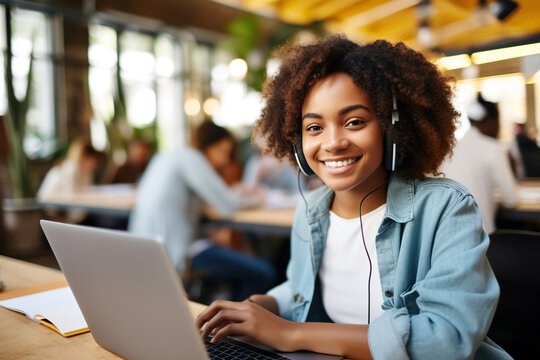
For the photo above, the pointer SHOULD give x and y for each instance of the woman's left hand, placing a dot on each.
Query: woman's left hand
(223, 318)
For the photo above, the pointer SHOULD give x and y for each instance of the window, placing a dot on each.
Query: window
(31, 37)
(148, 83)
(239, 104)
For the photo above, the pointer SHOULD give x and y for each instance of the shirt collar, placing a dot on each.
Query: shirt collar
(400, 199)
(399, 204)
(319, 203)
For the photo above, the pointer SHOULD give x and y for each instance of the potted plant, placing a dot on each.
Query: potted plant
(20, 211)
(119, 131)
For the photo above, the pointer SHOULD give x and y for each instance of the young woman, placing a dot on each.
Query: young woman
(384, 263)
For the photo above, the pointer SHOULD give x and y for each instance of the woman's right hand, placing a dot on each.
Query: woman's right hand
(223, 318)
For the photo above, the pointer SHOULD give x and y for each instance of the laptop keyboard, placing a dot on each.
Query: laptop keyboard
(232, 349)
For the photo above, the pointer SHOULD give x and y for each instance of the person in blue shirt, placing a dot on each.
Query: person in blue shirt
(171, 196)
(386, 262)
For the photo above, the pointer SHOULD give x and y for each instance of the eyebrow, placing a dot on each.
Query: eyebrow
(343, 111)
(353, 107)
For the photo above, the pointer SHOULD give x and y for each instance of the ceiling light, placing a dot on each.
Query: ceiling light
(210, 106)
(238, 68)
(502, 8)
(192, 106)
(488, 56)
(454, 62)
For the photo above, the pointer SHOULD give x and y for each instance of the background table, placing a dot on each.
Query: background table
(110, 200)
(526, 213)
(257, 220)
(119, 200)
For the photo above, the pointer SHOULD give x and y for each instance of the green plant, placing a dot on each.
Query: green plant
(245, 41)
(21, 183)
(119, 131)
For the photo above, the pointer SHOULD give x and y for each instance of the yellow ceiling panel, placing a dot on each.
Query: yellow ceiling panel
(332, 8)
(297, 11)
(379, 12)
(356, 8)
(453, 24)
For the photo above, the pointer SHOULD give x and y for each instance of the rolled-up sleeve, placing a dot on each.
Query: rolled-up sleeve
(282, 294)
(298, 263)
(385, 344)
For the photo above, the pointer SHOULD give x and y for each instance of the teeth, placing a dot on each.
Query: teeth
(340, 163)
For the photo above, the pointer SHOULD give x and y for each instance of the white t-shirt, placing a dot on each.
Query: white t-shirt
(344, 270)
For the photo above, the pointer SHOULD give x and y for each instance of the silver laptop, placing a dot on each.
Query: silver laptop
(132, 297)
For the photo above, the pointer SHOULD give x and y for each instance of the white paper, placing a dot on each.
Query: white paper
(58, 306)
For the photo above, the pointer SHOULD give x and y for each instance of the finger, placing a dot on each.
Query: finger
(211, 311)
(221, 319)
(216, 329)
(212, 332)
(203, 317)
(229, 329)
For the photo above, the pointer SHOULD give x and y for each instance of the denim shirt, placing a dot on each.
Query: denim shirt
(439, 292)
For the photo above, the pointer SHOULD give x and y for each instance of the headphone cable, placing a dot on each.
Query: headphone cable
(300, 189)
(367, 252)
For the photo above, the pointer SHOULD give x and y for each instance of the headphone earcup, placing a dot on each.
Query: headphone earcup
(391, 157)
(301, 159)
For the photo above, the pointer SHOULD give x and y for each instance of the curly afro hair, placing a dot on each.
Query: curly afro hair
(425, 132)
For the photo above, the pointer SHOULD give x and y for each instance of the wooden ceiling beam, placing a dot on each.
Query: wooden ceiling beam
(332, 8)
(297, 11)
(379, 12)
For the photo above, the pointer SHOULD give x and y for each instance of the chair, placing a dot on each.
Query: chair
(515, 258)
(200, 286)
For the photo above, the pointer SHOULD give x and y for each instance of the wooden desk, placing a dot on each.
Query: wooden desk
(114, 200)
(260, 221)
(21, 338)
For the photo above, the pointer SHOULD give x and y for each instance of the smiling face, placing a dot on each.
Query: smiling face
(341, 137)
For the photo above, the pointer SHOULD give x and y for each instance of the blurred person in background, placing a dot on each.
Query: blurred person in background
(171, 196)
(79, 169)
(516, 160)
(73, 173)
(138, 155)
(480, 163)
(526, 150)
(279, 180)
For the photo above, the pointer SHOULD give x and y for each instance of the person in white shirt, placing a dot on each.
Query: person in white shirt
(480, 163)
(72, 174)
